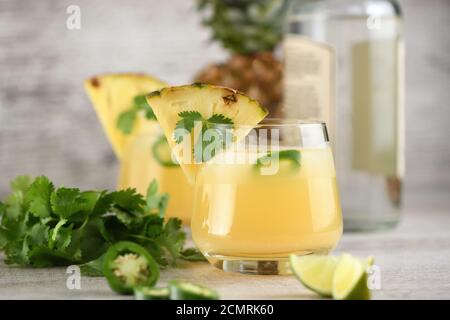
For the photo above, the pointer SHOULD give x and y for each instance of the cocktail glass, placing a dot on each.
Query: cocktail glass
(148, 157)
(268, 196)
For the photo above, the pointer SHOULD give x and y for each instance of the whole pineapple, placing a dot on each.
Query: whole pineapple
(250, 30)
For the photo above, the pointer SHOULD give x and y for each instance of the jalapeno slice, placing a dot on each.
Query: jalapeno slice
(182, 290)
(149, 293)
(162, 152)
(128, 265)
(287, 160)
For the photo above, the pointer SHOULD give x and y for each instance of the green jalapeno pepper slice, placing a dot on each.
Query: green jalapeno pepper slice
(128, 265)
(183, 290)
(162, 152)
(149, 293)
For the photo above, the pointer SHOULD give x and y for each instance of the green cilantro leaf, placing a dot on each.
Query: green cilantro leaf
(20, 183)
(67, 201)
(192, 254)
(219, 119)
(17, 253)
(90, 200)
(38, 196)
(93, 268)
(42, 256)
(15, 202)
(155, 202)
(154, 226)
(89, 241)
(173, 238)
(186, 124)
(38, 234)
(103, 203)
(140, 102)
(126, 120)
(220, 139)
(128, 199)
(149, 114)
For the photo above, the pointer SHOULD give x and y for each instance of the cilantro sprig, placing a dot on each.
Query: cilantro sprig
(41, 225)
(186, 125)
(127, 119)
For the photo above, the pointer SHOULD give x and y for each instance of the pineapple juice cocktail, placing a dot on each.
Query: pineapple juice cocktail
(148, 157)
(143, 152)
(254, 208)
(264, 189)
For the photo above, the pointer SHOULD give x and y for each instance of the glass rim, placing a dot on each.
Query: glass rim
(312, 132)
(285, 122)
(276, 123)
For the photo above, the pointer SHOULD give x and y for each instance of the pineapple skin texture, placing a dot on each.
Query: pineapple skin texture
(258, 75)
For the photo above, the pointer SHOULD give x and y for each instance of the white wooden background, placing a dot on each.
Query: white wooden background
(47, 125)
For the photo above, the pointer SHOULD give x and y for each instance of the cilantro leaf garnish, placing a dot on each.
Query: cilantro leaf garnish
(127, 119)
(186, 124)
(42, 226)
(219, 119)
(217, 137)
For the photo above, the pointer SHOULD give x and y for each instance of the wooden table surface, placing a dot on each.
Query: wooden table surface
(414, 261)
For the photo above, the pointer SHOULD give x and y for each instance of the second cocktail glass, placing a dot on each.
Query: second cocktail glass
(148, 157)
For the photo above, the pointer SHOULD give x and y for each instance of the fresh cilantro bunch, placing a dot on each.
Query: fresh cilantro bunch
(126, 120)
(41, 225)
(217, 122)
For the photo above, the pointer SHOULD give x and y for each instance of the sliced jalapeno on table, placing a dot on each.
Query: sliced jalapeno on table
(182, 290)
(128, 265)
(149, 293)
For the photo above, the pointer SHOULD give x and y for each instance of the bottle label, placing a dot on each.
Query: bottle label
(309, 80)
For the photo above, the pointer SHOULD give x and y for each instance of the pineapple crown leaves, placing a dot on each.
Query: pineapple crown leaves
(245, 26)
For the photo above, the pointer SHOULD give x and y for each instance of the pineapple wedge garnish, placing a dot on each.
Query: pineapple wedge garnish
(112, 94)
(173, 106)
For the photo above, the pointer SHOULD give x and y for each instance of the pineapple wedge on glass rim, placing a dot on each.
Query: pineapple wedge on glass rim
(112, 94)
(170, 103)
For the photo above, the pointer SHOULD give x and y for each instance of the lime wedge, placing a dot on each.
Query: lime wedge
(315, 272)
(350, 279)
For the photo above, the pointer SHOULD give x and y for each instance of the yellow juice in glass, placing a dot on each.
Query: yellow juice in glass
(148, 158)
(241, 215)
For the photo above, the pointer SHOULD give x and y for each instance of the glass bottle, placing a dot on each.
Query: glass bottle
(344, 64)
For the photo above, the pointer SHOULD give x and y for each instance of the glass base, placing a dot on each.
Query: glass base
(260, 266)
